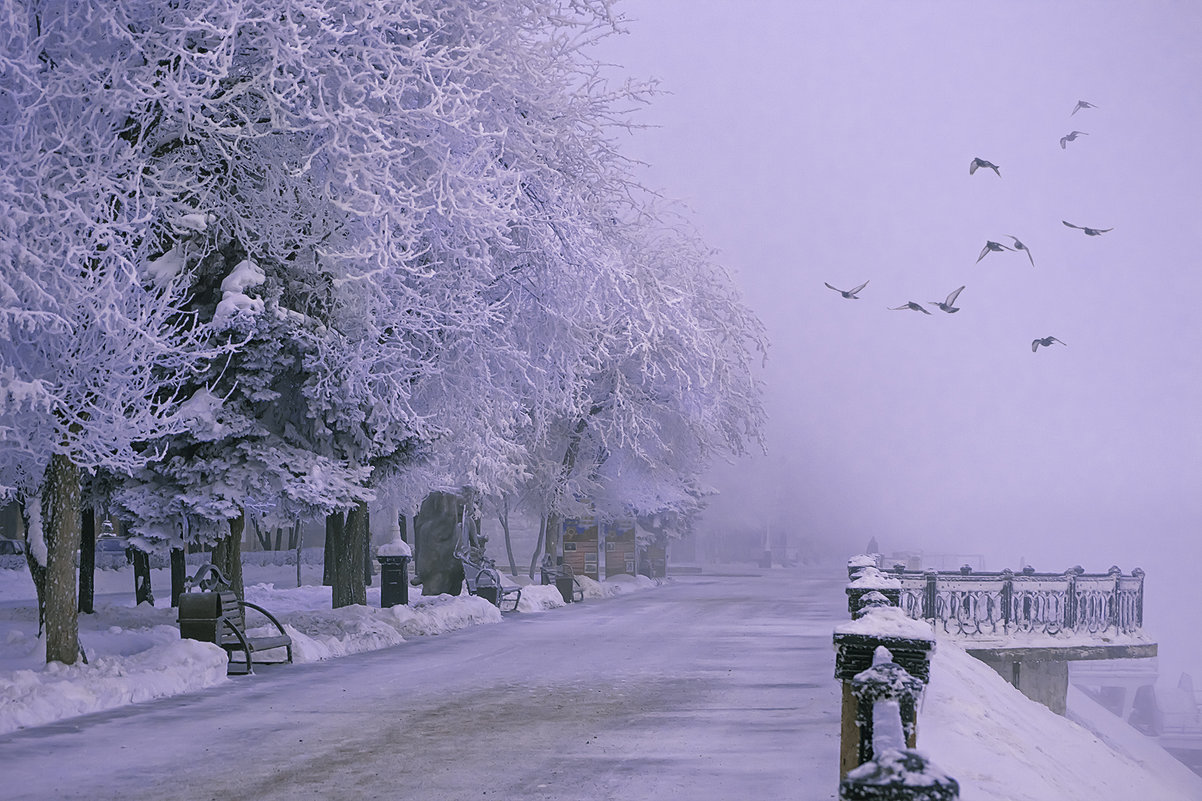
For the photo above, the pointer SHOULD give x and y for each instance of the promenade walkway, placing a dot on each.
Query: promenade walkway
(711, 687)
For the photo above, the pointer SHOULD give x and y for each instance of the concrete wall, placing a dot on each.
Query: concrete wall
(1045, 682)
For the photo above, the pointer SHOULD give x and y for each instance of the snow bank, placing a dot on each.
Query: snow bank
(539, 598)
(170, 667)
(1000, 746)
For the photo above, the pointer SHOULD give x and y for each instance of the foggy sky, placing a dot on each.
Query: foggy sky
(831, 142)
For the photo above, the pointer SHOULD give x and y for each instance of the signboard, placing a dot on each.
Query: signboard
(619, 548)
(580, 546)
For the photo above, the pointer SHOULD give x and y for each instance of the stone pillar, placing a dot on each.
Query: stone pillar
(910, 643)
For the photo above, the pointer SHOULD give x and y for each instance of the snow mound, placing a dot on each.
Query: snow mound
(539, 598)
(38, 697)
(1001, 746)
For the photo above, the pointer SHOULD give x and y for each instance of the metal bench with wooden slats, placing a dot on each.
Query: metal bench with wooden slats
(218, 616)
(483, 579)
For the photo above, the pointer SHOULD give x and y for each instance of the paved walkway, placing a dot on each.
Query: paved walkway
(710, 687)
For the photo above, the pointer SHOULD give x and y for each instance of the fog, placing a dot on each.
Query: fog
(830, 142)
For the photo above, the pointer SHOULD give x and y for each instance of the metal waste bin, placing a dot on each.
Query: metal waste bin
(394, 580)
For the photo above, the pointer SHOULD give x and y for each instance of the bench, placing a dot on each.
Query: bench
(483, 579)
(215, 614)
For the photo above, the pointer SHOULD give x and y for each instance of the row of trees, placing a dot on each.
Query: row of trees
(284, 257)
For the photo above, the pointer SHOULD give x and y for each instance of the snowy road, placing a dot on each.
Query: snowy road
(710, 687)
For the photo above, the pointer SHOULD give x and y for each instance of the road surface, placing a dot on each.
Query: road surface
(709, 687)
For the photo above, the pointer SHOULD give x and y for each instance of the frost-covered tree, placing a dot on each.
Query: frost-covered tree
(94, 338)
(407, 224)
(381, 151)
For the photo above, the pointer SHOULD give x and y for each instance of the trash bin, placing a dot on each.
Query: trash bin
(566, 587)
(394, 580)
(488, 586)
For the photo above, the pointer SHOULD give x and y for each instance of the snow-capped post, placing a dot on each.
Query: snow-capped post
(869, 580)
(1113, 619)
(1138, 573)
(930, 595)
(878, 622)
(1070, 597)
(889, 768)
(1007, 596)
(858, 563)
(394, 572)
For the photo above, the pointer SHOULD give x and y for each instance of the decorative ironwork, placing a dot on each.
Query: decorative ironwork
(972, 604)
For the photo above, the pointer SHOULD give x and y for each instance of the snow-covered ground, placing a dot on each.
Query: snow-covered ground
(1002, 747)
(136, 654)
(973, 725)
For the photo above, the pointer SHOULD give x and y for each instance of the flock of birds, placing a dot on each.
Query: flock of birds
(948, 304)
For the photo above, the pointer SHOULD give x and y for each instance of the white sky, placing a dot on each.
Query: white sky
(831, 142)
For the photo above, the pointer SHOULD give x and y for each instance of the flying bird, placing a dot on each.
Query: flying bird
(1071, 137)
(949, 305)
(850, 293)
(1088, 231)
(982, 163)
(1080, 105)
(910, 305)
(1020, 246)
(1046, 342)
(992, 246)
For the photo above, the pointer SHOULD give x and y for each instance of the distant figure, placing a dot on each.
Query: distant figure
(979, 163)
(1046, 342)
(1088, 231)
(872, 546)
(992, 247)
(912, 306)
(1071, 137)
(1080, 105)
(1020, 246)
(850, 293)
(949, 305)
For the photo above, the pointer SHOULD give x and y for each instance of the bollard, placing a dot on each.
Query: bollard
(891, 771)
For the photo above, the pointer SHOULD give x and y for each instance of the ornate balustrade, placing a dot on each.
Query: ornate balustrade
(994, 604)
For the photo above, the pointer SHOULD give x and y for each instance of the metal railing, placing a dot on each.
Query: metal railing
(983, 604)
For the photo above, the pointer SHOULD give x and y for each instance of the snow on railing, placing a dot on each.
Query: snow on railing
(972, 604)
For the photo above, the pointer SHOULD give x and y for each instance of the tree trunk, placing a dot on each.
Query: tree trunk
(366, 550)
(227, 555)
(297, 539)
(87, 561)
(179, 573)
(538, 544)
(503, 517)
(403, 524)
(551, 538)
(263, 537)
(334, 525)
(570, 454)
(348, 588)
(37, 570)
(60, 526)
